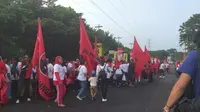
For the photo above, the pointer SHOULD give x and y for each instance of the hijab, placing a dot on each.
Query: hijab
(57, 60)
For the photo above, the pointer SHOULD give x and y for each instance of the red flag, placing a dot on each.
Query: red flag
(147, 54)
(95, 48)
(39, 60)
(3, 84)
(86, 51)
(138, 56)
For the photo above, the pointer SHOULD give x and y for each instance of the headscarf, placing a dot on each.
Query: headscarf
(57, 60)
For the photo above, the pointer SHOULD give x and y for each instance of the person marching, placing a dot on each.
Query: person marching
(58, 80)
(93, 85)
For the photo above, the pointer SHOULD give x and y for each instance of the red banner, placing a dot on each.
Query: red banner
(39, 61)
(86, 51)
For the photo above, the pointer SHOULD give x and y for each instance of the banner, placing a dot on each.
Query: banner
(86, 52)
(39, 61)
(120, 54)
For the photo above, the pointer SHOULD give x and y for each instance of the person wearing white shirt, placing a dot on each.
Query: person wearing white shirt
(69, 66)
(162, 70)
(82, 78)
(93, 85)
(50, 74)
(19, 65)
(58, 78)
(104, 81)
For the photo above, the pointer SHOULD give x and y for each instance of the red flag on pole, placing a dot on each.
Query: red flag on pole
(39, 61)
(138, 56)
(86, 51)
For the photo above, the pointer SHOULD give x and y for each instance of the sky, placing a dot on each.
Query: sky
(151, 21)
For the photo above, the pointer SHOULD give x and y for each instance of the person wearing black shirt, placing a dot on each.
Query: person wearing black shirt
(131, 73)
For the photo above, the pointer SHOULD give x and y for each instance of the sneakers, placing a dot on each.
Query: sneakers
(28, 99)
(93, 98)
(79, 98)
(61, 105)
(104, 100)
(17, 101)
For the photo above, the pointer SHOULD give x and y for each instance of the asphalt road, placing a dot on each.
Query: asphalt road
(144, 97)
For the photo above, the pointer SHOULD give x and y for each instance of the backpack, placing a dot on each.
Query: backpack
(188, 102)
(102, 73)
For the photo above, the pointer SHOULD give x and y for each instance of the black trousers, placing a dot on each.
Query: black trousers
(104, 88)
(26, 89)
(150, 77)
(14, 89)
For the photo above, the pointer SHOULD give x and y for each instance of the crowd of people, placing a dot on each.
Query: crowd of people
(74, 74)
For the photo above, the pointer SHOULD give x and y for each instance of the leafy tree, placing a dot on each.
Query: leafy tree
(172, 53)
(18, 20)
(160, 53)
(187, 30)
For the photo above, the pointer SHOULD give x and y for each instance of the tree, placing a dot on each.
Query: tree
(18, 20)
(187, 30)
(172, 53)
(160, 53)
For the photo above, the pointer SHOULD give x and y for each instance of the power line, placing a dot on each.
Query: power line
(110, 17)
(128, 24)
(84, 9)
(135, 22)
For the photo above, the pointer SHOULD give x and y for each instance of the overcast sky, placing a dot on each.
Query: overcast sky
(157, 20)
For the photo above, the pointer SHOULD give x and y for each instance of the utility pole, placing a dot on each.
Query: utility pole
(131, 45)
(98, 26)
(149, 44)
(118, 38)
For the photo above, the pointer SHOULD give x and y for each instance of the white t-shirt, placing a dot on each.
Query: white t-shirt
(124, 67)
(65, 69)
(108, 70)
(82, 71)
(69, 66)
(19, 64)
(93, 81)
(58, 68)
(8, 72)
(50, 70)
(162, 66)
(98, 69)
(118, 71)
(166, 65)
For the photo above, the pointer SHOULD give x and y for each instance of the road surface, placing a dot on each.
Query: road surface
(144, 97)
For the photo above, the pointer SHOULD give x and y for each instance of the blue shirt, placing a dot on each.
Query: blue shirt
(190, 67)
